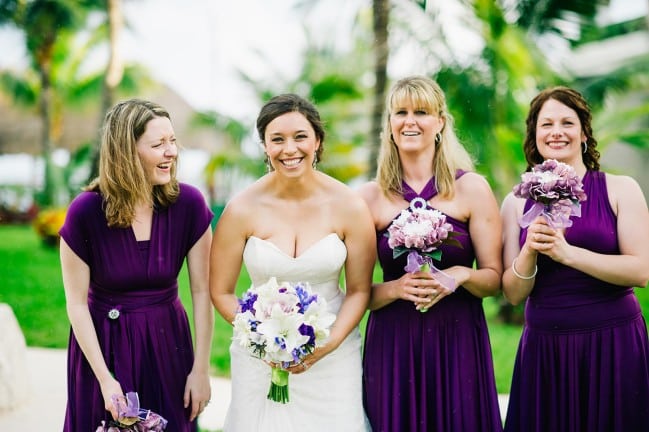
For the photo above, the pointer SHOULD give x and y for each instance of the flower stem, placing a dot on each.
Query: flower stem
(425, 267)
(278, 391)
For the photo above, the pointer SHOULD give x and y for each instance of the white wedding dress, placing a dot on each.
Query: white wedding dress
(327, 397)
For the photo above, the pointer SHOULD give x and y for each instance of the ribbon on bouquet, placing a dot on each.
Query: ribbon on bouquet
(418, 262)
(557, 213)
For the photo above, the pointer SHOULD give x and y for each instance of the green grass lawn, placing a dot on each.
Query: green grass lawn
(32, 286)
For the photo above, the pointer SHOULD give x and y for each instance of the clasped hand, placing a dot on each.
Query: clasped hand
(422, 289)
(542, 238)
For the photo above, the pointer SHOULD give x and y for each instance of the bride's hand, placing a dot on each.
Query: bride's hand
(307, 362)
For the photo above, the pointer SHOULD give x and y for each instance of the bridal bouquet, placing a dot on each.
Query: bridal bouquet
(281, 323)
(132, 418)
(419, 231)
(556, 190)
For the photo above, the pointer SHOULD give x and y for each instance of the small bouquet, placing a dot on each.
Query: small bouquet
(556, 190)
(419, 230)
(132, 418)
(281, 324)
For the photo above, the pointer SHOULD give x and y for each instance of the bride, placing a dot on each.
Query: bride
(298, 225)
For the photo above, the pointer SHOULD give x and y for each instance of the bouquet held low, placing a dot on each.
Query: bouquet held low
(281, 323)
(132, 418)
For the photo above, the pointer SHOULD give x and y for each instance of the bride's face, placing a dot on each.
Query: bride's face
(291, 143)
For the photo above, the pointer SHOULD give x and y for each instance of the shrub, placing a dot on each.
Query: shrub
(47, 224)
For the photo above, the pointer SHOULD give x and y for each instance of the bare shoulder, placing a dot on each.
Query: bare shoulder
(512, 206)
(474, 193)
(624, 192)
(344, 194)
(241, 204)
(344, 200)
(621, 184)
(369, 191)
(473, 184)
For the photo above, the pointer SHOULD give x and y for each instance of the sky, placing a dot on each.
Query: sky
(197, 46)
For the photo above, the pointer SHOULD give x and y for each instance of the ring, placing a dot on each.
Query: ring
(304, 366)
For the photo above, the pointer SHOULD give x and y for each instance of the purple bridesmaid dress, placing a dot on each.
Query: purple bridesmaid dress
(430, 371)
(583, 358)
(142, 327)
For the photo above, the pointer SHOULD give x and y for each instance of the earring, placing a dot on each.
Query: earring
(438, 138)
(269, 167)
(315, 160)
(585, 144)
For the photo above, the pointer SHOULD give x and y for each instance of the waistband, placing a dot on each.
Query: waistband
(603, 314)
(114, 304)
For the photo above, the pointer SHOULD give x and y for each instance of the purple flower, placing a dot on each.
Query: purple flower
(556, 190)
(309, 331)
(421, 229)
(247, 302)
(132, 418)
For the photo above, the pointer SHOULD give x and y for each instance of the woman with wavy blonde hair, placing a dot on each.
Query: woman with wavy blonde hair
(427, 360)
(123, 244)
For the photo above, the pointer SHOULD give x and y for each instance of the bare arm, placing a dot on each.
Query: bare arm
(76, 281)
(197, 388)
(359, 266)
(485, 228)
(515, 288)
(226, 257)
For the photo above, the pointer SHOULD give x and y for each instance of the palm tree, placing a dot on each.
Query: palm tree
(114, 72)
(381, 49)
(329, 79)
(44, 23)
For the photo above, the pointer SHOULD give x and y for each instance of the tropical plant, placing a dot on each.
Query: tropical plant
(333, 81)
(231, 165)
(47, 224)
(44, 24)
(57, 79)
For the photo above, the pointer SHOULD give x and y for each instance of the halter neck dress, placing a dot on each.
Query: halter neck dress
(583, 359)
(430, 371)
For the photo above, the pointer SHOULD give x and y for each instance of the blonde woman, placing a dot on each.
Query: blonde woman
(122, 246)
(432, 370)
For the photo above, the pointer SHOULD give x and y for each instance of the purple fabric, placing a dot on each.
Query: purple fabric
(430, 371)
(148, 346)
(583, 359)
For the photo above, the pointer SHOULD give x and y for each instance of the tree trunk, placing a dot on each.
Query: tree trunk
(114, 73)
(47, 195)
(381, 18)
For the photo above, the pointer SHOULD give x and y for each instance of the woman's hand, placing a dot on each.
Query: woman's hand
(458, 274)
(197, 392)
(415, 287)
(109, 388)
(541, 236)
(309, 360)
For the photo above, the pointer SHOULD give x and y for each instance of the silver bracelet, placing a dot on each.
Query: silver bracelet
(520, 276)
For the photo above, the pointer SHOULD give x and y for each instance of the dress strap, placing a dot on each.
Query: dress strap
(429, 190)
(426, 193)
